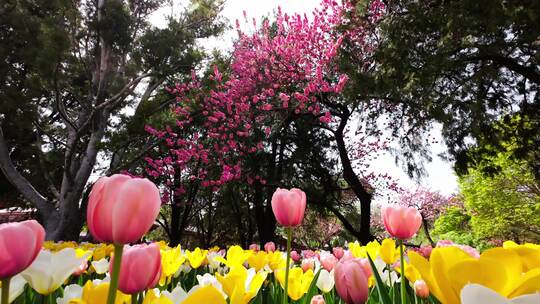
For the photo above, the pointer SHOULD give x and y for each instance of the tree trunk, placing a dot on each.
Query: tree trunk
(361, 193)
(176, 234)
(426, 231)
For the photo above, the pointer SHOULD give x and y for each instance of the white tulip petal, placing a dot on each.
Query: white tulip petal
(16, 287)
(325, 282)
(50, 270)
(478, 294)
(101, 266)
(527, 299)
(71, 292)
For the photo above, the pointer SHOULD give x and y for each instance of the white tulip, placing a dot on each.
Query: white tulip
(71, 292)
(16, 287)
(101, 266)
(478, 294)
(50, 270)
(212, 263)
(177, 296)
(325, 282)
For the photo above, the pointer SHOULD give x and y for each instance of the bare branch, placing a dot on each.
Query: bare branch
(20, 182)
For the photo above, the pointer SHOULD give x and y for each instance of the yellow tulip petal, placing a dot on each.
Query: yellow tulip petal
(528, 284)
(206, 294)
(388, 251)
(441, 260)
(483, 271)
(508, 260)
(423, 266)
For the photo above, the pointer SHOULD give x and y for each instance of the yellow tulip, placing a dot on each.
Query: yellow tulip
(356, 249)
(258, 260)
(359, 251)
(299, 281)
(236, 255)
(171, 260)
(102, 252)
(94, 294)
(206, 294)
(388, 251)
(196, 257)
(152, 298)
(529, 254)
(373, 248)
(411, 273)
(276, 260)
(163, 245)
(450, 269)
(240, 285)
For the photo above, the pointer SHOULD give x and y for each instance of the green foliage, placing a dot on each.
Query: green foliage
(504, 206)
(464, 64)
(500, 206)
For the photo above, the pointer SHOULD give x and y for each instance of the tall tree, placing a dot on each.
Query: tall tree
(465, 64)
(283, 78)
(68, 69)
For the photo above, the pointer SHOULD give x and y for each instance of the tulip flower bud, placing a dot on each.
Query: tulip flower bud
(295, 256)
(121, 209)
(307, 264)
(254, 247)
(328, 261)
(289, 206)
(421, 289)
(140, 268)
(351, 281)
(400, 221)
(338, 252)
(20, 243)
(270, 247)
(318, 299)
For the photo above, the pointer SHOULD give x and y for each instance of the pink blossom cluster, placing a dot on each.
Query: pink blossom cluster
(278, 72)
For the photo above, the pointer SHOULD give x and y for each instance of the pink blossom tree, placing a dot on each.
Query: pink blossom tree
(280, 74)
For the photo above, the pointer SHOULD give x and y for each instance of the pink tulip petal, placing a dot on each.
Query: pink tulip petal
(135, 211)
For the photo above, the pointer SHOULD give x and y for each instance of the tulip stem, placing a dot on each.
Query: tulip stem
(403, 289)
(118, 248)
(286, 293)
(5, 290)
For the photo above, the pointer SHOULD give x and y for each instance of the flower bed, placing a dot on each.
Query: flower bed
(34, 271)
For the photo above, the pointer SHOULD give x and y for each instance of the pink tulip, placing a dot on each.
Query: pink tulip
(254, 247)
(270, 247)
(140, 268)
(289, 206)
(82, 268)
(308, 254)
(307, 264)
(421, 289)
(400, 221)
(318, 299)
(328, 261)
(351, 281)
(366, 267)
(338, 252)
(425, 250)
(121, 209)
(295, 256)
(20, 244)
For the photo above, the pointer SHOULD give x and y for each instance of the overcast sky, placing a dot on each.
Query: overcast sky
(440, 174)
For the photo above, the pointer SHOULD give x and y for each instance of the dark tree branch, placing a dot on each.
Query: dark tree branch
(20, 182)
